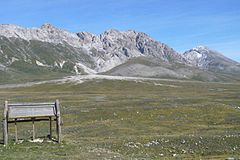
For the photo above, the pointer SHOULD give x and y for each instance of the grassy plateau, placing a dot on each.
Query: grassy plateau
(114, 119)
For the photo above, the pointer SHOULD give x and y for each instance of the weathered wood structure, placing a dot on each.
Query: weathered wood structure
(31, 112)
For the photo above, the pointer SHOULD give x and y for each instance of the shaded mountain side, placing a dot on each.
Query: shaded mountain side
(41, 53)
(149, 67)
(37, 74)
(34, 60)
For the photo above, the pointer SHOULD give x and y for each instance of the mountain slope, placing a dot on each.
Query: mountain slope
(114, 47)
(29, 54)
(55, 49)
(35, 60)
(211, 60)
(149, 67)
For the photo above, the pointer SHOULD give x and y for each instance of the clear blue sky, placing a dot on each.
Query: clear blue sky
(182, 24)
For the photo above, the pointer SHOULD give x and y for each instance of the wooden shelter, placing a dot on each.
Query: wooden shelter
(31, 112)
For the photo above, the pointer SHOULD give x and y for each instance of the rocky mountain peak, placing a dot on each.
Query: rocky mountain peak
(48, 26)
(8, 25)
(205, 58)
(10, 30)
(46, 33)
(195, 54)
(111, 32)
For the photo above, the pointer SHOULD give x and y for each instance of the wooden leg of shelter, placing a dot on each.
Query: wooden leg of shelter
(16, 136)
(33, 126)
(5, 132)
(58, 122)
(5, 123)
(50, 127)
(58, 129)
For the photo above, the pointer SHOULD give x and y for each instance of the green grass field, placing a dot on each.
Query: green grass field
(106, 119)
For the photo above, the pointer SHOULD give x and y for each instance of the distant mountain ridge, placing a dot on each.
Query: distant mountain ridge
(50, 49)
(206, 58)
(108, 49)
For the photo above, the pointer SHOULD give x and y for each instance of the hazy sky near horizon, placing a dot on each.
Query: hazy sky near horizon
(182, 24)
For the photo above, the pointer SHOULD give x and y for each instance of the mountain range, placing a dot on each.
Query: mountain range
(32, 54)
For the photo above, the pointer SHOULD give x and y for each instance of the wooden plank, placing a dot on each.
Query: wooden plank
(50, 127)
(5, 125)
(21, 112)
(31, 104)
(59, 129)
(30, 120)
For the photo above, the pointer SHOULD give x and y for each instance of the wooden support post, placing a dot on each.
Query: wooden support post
(57, 128)
(33, 129)
(5, 124)
(16, 136)
(50, 127)
(58, 122)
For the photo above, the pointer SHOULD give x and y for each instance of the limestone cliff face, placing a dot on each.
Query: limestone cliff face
(48, 48)
(107, 50)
